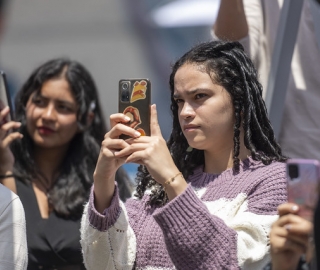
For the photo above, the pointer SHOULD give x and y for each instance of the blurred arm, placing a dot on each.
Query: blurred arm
(231, 23)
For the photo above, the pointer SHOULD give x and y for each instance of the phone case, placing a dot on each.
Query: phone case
(5, 98)
(134, 101)
(303, 185)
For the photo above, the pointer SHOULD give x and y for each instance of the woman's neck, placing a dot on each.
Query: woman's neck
(220, 160)
(48, 161)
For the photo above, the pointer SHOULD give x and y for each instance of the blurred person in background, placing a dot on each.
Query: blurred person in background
(254, 23)
(13, 238)
(206, 199)
(49, 161)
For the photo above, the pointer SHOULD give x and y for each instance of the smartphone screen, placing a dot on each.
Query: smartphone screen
(5, 98)
(134, 102)
(303, 185)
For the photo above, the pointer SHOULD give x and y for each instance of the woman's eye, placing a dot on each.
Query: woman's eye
(64, 108)
(38, 102)
(178, 100)
(200, 96)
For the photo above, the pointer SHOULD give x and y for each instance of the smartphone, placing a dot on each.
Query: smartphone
(5, 97)
(303, 185)
(134, 102)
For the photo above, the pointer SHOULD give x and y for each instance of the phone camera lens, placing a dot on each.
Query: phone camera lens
(293, 171)
(125, 86)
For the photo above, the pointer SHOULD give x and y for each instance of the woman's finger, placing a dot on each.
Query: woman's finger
(131, 149)
(4, 112)
(136, 157)
(10, 125)
(117, 118)
(287, 208)
(303, 228)
(280, 237)
(290, 219)
(121, 129)
(154, 124)
(10, 138)
(114, 144)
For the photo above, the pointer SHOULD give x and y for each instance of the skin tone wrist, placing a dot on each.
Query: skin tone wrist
(103, 193)
(176, 187)
(9, 182)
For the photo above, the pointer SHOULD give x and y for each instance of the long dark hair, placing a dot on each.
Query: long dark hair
(229, 66)
(71, 188)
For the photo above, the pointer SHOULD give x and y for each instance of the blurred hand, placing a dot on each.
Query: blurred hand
(6, 138)
(289, 237)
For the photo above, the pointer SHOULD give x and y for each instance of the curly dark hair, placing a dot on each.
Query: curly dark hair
(72, 186)
(228, 65)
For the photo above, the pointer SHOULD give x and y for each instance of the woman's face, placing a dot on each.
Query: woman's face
(52, 116)
(205, 110)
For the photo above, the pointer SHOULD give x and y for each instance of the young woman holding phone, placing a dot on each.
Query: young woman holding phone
(206, 198)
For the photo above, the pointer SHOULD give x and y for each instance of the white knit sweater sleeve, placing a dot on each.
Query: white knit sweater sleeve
(13, 239)
(114, 248)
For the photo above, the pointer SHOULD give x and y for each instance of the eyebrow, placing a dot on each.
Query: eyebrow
(57, 100)
(191, 92)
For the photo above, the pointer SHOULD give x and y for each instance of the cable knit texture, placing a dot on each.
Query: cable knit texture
(219, 222)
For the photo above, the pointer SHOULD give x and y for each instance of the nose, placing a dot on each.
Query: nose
(49, 112)
(187, 111)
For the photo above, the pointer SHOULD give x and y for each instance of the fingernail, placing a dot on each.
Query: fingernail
(295, 208)
(127, 118)
(137, 134)
(287, 227)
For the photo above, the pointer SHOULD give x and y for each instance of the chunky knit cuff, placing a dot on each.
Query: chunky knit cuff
(180, 209)
(109, 216)
(186, 222)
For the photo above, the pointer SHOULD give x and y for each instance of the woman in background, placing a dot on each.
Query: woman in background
(52, 158)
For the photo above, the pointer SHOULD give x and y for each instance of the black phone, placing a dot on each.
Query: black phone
(303, 177)
(5, 97)
(134, 102)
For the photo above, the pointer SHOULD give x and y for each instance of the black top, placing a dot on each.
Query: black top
(52, 242)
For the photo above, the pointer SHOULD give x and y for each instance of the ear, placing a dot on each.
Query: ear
(90, 118)
(81, 127)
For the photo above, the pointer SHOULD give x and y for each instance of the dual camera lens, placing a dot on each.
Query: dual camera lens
(125, 91)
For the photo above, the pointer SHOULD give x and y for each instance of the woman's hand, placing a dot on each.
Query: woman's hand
(289, 237)
(152, 151)
(108, 162)
(6, 138)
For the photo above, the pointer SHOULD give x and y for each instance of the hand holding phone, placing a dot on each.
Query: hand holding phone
(5, 98)
(303, 185)
(134, 102)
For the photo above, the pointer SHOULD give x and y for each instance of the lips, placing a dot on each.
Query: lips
(190, 127)
(45, 130)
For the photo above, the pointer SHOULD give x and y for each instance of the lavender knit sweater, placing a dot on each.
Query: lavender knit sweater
(219, 222)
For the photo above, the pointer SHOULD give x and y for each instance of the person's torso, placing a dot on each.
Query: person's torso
(52, 242)
(301, 121)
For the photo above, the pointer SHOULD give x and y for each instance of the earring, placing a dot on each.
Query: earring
(189, 150)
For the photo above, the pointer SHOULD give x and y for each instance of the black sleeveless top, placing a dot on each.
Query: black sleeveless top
(52, 242)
